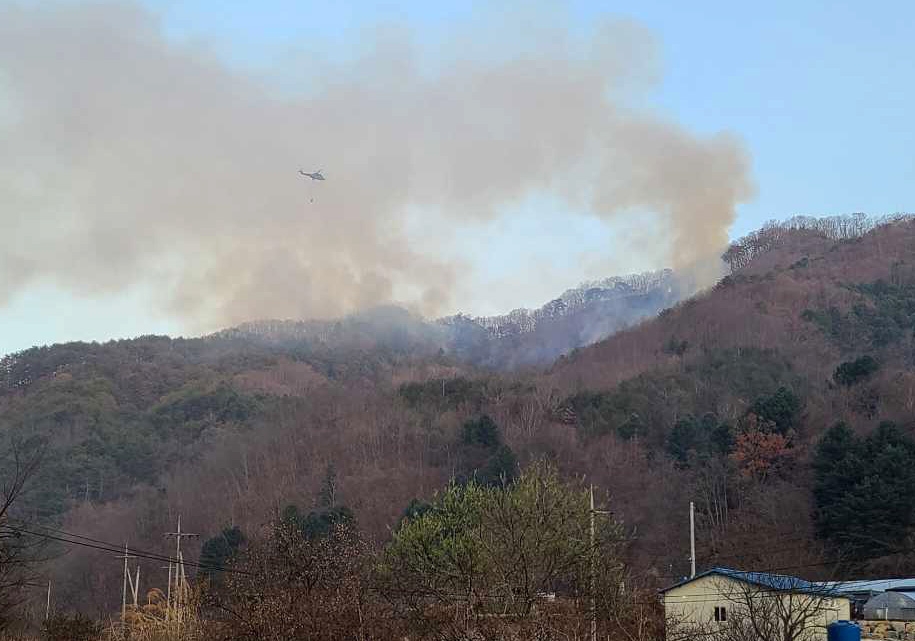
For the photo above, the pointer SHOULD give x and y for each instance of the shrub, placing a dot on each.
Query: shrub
(71, 627)
(851, 372)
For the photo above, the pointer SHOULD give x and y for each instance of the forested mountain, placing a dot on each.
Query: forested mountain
(738, 398)
(578, 317)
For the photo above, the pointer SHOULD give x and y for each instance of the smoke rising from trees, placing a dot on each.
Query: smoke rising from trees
(130, 159)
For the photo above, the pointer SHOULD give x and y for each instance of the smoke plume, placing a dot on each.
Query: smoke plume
(129, 159)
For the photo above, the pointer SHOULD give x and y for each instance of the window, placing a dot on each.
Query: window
(721, 613)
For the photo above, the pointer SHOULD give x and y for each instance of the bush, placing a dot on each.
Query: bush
(702, 438)
(482, 432)
(70, 627)
(852, 372)
(448, 394)
(217, 551)
(781, 408)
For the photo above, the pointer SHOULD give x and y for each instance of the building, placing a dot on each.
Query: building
(725, 603)
(860, 592)
(890, 606)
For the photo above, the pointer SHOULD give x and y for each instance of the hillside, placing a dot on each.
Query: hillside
(815, 329)
(578, 317)
(722, 399)
(523, 337)
(814, 299)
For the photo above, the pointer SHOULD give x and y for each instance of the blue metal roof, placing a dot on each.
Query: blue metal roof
(778, 582)
(871, 585)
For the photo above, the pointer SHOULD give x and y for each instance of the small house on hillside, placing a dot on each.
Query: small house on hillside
(726, 603)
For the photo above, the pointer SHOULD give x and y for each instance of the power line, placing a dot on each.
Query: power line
(97, 544)
(113, 547)
(59, 531)
(780, 548)
(772, 592)
(107, 546)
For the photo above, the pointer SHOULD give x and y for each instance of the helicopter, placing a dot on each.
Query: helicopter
(314, 176)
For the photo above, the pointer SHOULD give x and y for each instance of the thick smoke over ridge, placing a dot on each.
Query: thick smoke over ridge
(129, 160)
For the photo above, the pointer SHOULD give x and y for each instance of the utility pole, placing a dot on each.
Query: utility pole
(182, 586)
(126, 556)
(593, 571)
(47, 612)
(168, 598)
(135, 588)
(692, 540)
(180, 579)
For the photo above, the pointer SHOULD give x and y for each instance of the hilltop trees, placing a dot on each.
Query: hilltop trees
(741, 252)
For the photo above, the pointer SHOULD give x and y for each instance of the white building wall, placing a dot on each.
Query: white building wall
(693, 604)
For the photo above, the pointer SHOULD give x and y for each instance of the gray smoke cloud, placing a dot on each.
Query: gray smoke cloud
(131, 159)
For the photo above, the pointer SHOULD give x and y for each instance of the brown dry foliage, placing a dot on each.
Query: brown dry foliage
(387, 452)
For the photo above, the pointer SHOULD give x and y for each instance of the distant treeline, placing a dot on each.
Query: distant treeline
(742, 251)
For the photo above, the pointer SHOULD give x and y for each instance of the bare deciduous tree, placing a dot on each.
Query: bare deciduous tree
(291, 587)
(788, 609)
(16, 548)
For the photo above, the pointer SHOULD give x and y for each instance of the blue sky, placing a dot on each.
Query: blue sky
(821, 93)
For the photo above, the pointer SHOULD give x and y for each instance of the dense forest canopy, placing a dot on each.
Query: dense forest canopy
(780, 401)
